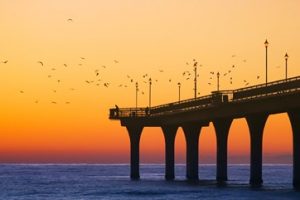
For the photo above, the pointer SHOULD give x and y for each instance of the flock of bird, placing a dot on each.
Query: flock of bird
(187, 75)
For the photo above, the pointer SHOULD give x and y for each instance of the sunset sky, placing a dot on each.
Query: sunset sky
(144, 36)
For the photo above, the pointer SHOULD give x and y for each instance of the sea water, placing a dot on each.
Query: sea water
(98, 181)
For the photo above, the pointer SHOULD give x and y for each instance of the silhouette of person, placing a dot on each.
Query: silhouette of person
(117, 110)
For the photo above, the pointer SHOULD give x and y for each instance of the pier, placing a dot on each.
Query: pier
(254, 103)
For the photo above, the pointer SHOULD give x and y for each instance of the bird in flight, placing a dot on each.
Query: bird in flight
(53, 102)
(212, 73)
(5, 61)
(70, 20)
(82, 58)
(106, 84)
(65, 65)
(116, 62)
(21, 91)
(161, 70)
(41, 63)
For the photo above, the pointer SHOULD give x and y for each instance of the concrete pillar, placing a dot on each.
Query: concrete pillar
(222, 127)
(256, 124)
(295, 122)
(192, 132)
(134, 132)
(169, 135)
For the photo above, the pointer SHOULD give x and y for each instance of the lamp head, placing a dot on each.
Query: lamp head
(266, 43)
(286, 56)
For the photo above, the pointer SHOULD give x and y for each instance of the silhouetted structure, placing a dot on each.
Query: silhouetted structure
(254, 103)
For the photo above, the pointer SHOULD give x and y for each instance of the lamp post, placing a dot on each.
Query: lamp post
(179, 86)
(150, 83)
(286, 65)
(136, 95)
(266, 45)
(195, 79)
(218, 81)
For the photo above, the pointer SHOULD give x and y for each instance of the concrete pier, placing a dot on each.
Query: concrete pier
(222, 127)
(169, 135)
(192, 132)
(256, 124)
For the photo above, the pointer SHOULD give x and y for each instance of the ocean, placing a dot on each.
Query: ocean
(100, 181)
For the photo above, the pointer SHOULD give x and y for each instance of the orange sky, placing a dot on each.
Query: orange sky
(144, 36)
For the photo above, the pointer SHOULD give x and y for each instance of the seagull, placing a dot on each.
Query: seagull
(53, 102)
(70, 20)
(41, 63)
(212, 73)
(209, 83)
(21, 91)
(5, 61)
(106, 84)
(87, 81)
(116, 62)
(65, 65)
(82, 58)
(161, 70)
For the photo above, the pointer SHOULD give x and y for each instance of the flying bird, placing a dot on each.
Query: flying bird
(116, 62)
(82, 58)
(53, 102)
(5, 61)
(21, 91)
(65, 65)
(70, 20)
(41, 63)
(161, 70)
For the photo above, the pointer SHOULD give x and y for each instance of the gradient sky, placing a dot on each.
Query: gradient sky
(144, 36)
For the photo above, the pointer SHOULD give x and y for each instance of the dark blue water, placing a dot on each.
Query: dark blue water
(83, 181)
